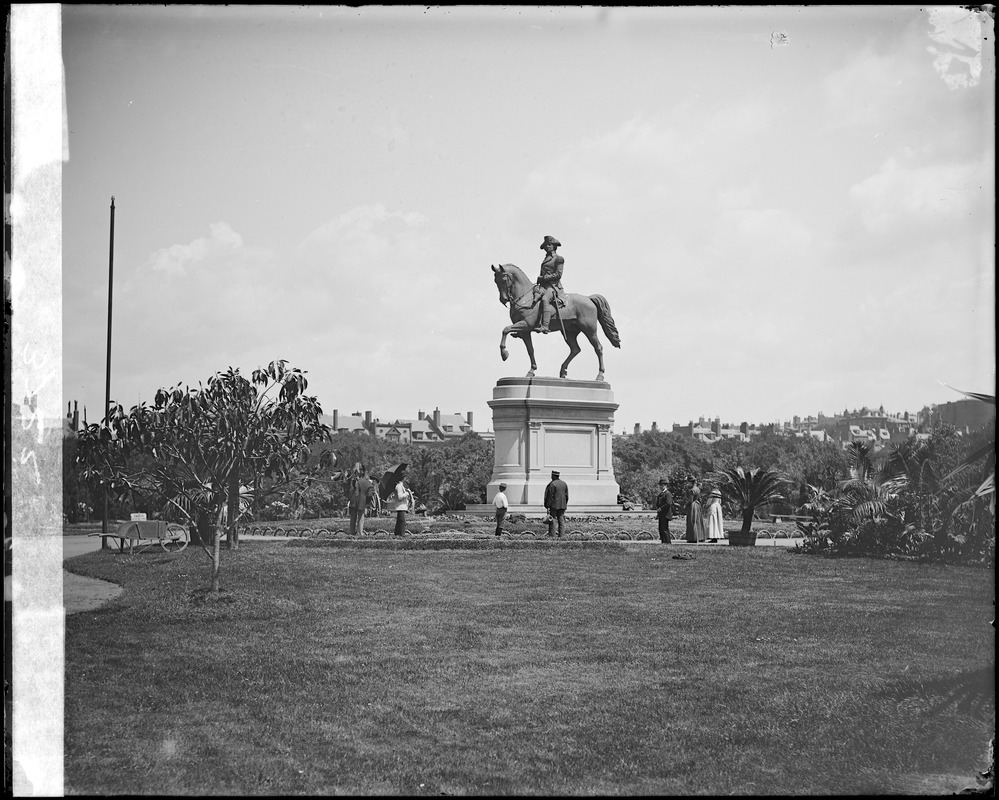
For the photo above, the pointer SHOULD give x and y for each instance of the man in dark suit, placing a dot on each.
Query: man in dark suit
(556, 502)
(664, 510)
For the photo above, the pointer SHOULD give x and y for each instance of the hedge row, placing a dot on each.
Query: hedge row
(482, 532)
(393, 543)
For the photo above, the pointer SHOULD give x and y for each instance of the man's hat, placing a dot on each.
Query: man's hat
(662, 481)
(715, 493)
(555, 473)
(550, 240)
(502, 486)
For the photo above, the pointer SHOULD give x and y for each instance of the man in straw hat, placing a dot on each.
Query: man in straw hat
(556, 502)
(664, 511)
(502, 505)
(549, 281)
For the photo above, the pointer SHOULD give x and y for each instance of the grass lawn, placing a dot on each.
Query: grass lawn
(609, 669)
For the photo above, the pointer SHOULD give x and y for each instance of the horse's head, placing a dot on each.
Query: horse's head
(503, 282)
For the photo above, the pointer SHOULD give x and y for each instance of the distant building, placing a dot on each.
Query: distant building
(966, 415)
(425, 429)
(71, 425)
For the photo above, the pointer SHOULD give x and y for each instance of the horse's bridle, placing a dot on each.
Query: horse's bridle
(507, 280)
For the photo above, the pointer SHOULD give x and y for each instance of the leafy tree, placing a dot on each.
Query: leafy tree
(447, 477)
(660, 450)
(77, 502)
(216, 450)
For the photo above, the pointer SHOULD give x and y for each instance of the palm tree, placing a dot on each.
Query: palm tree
(872, 487)
(987, 488)
(757, 487)
(975, 510)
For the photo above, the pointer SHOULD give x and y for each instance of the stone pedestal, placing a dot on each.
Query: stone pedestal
(545, 424)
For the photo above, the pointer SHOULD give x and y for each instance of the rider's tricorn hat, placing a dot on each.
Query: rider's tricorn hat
(550, 240)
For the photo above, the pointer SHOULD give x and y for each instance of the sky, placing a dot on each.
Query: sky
(789, 209)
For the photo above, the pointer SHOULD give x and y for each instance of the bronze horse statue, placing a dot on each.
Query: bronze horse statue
(581, 314)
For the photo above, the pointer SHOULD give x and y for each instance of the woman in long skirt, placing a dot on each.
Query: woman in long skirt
(716, 531)
(695, 517)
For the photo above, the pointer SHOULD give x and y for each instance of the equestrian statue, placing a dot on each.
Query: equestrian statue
(542, 307)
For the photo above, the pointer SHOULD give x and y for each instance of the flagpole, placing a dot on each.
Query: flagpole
(107, 374)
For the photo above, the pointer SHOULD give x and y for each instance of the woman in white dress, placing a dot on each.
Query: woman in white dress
(713, 517)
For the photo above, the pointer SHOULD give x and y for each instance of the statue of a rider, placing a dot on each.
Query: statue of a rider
(549, 282)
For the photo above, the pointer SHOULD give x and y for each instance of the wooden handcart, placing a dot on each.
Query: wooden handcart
(137, 535)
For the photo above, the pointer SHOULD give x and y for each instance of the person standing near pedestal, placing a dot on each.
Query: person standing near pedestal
(664, 511)
(502, 504)
(361, 491)
(716, 530)
(695, 516)
(556, 502)
(399, 503)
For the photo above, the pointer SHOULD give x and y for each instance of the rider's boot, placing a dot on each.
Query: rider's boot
(546, 318)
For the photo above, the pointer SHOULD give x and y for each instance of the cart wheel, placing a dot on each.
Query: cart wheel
(176, 538)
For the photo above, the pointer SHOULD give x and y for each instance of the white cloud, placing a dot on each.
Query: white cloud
(904, 197)
(178, 258)
(372, 255)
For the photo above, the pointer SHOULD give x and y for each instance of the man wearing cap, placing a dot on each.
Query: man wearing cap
(664, 511)
(502, 504)
(556, 502)
(549, 281)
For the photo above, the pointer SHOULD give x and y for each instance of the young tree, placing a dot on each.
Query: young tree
(216, 449)
(750, 489)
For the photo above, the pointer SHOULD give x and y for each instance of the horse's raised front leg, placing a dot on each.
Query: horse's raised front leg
(523, 330)
(570, 337)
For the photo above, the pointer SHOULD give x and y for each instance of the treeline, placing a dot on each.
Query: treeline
(443, 477)
(640, 461)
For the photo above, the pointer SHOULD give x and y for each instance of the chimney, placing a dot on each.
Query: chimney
(336, 420)
(470, 421)
(638, 428)
(367, 420)
(76, 417)
(716, 426)
(700, 422)
(655, 427)
(437, 417)
(420, 415)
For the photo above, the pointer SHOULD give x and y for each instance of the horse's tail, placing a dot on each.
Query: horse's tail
(606, 320)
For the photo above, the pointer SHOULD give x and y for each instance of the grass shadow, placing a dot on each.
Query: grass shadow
(969, 692)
